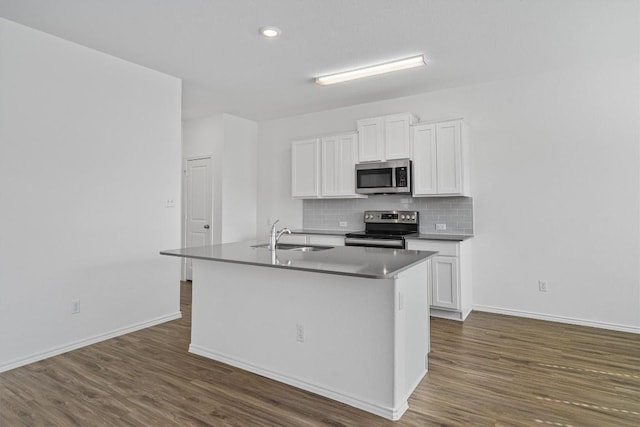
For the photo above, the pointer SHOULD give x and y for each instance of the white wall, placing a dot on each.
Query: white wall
(555, 169)
(240, 179)
(232, 143)
(89, 151)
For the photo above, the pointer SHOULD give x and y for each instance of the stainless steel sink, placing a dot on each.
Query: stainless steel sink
(294, 247)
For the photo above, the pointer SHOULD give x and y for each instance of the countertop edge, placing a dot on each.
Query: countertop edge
(392, 275)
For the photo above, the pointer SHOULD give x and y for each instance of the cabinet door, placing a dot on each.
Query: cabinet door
(330, 165)
(371, 139)
(305, 168)
(424, 160)
(449, 157)
(397, 137)
(339, 156)
(445, 283)
(348, 146)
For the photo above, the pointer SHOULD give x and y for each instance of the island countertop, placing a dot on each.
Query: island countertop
(373, 263)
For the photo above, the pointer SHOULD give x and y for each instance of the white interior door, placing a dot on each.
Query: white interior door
(198, 218)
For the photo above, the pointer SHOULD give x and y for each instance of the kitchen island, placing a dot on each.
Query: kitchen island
(347, 323)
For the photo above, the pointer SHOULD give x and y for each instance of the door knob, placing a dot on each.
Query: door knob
(206, 226)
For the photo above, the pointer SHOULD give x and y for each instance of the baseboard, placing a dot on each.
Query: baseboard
(460, 316)
(388, 413)
(16, 363)
(559, 319)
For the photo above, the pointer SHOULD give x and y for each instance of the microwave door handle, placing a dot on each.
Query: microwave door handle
(393, 177)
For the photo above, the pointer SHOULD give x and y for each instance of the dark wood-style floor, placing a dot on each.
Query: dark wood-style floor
(491, 370)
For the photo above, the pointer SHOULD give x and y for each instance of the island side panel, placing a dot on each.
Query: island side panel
(412, 330)
(248, 316)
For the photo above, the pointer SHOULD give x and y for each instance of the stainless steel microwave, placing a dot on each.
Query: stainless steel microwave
(392, 177)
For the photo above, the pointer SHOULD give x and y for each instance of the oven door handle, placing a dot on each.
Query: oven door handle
(389, 243)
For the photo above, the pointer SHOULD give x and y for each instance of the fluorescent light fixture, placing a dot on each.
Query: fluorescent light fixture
(374, 70)
(270, 32)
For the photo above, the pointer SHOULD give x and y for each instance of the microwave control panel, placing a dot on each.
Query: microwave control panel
(401, 177)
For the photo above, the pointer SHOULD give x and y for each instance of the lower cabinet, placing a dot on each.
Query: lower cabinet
(325, 240)
(313, 239)
(445, 282)
(294, 239)
(450, 279)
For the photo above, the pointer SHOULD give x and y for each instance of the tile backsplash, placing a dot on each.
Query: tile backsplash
(455, 212)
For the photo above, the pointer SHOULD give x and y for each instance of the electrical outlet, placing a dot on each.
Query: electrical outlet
(543, 286)
(170, 203)
(299, 332)
(441, 227)
(343, 223)
(75, 306)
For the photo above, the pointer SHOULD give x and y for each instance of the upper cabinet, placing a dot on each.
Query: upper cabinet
(305, 168)
(385, 138)
(339, 156)
(324, 167)
(440, 155)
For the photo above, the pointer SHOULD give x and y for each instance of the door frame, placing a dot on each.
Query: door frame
(185, 203)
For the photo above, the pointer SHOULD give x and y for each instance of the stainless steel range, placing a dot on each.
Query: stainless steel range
(385, 229)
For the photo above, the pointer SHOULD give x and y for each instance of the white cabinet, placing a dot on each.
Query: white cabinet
(313, 239)
(445, 283)
(385, 138)
(325, 240)
(305, 168)
(371, 139)
(450, 278)
(339, 156)
(295, 239)
(440, 157)
(324, 167)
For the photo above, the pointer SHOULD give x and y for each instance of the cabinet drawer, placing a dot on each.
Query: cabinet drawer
(444, 248)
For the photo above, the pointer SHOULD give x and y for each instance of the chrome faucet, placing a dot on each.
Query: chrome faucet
(274, 235)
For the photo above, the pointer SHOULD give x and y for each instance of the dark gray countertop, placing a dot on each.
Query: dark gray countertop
(373, 263)
(441, 236)
(422, 236)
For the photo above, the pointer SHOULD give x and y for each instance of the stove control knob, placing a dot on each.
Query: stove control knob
(413, 217)
(401, 216)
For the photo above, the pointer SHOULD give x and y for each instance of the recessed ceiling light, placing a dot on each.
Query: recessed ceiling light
(270, 32)
(374, 70)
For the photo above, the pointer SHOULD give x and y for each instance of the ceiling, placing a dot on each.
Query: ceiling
(227, 67)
